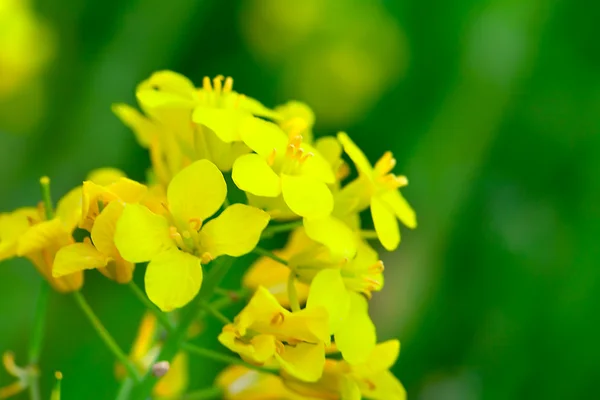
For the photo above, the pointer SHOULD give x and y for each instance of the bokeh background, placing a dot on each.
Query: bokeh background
(491, 107)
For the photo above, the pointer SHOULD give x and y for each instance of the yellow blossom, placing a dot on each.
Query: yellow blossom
(241, 383)
(102, 199)
(369, 380)
(177, 243)
(26, 233)
(377, 188)
(264, 331)
(283, 166)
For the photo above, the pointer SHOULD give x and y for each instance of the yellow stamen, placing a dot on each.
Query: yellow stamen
(386, 163)
(278, 319)
(206, 258)
(377, 268)
(218, 84)
(272, 156)
(228, 85)
(195, 224)
(206, 84)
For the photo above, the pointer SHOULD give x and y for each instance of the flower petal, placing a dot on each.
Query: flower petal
(304, 361)
(251, 173)
(356, 336)
(12, 226)
(68, 208)
(334, 234)
(103, 231)
(43, 235)
(140, 234)
(356, 155)
(173, 278)
(327, 290)
(306, 196)
(143, 128)
(262, 137)
(77, 257)
(235, 232)
(105, 176)
(225, 123)
(196, 192)
(260, 349)
(386, 224)
(401, 208)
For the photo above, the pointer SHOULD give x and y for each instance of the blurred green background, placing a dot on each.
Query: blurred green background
(492, 109)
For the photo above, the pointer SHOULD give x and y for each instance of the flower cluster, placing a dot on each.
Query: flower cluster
(228, 174)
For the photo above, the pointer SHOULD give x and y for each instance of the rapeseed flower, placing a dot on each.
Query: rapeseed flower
(377, 188)
(241, 383)
(177, 242)
(286, 167)
(27, 233)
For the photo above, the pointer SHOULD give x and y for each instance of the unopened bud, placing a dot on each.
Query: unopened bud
(160, 369)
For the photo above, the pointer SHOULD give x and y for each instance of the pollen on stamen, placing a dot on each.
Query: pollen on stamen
(378, 267)
(290, 151)
(386, 163)
(195, 224)
(218, 83)
(228, 87)
(278, 319)
(206, 85)
(206, 257)
(306, 156)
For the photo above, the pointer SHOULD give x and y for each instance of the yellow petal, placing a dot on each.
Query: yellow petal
(356, 155)
(43, 235)
(166, 89)
(144, 129)
(317, 166)
(385, 223)
(259, 350)
(12, 226)
(306, 196)
(349, 390)
(252, 174)
(196, 192)
(128, 190)
(382, 358)
(331, 150)
(303, 361)
(401, 208)
(262, 137)
(105, 176)
(140, 234)
(383, 386)
(334, 234)
(77, 257)
(327, 290)
(356, 337)
(103, 231)
(235, 232)
(223, 122)
(173, 278)
(68, 208)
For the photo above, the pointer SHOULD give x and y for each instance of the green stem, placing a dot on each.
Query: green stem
(271, 231)
(216, 313)
(204, 394)
(268, 253)
(224, 358)
(368, 234)
(174, 341)
(125, 389)
(162, 317)
(105, 335)
(292, 294)
(46, 197)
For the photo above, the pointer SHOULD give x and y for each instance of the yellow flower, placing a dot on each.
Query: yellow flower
(370, 379)
(283, 166)
(23, 376)
(176, 244)
(103, 198)
(296, 118)
(241, 383)
(26, 233)
(187, 124)
(377, 188)
(264, 331)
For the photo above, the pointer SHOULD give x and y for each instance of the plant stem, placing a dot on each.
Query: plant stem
(368, 234)
(268, 253)
(271, 231)
(216, 313)
(162, 317)
(125, 389)
(224, 358)
(292, 294)
(204, 394)
(41, 308)
(105, 335)
(174, 341)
